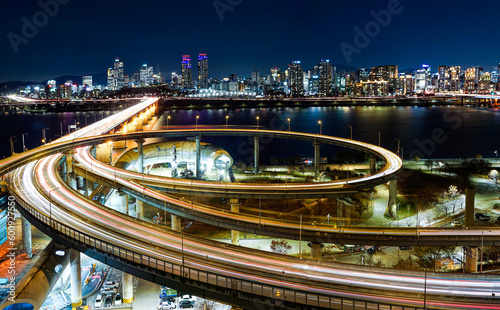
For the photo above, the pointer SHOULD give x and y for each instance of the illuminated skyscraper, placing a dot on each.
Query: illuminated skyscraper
(296, 79)
(146, 75)
(325, 75)
(472, 78)
(116, 76)
(187, 74)
(87, 82)
(202, 71)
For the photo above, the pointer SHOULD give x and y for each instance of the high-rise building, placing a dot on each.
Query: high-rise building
(146, 75)
(325, 76)
(187, 74)
(87, 82)
(202, 71)
(256, 81)
(296, 79)
(471, 79)
(422, 78)
(494, 76)
(116, 76)
(448, 78)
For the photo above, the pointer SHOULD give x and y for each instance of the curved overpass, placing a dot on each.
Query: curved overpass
(393, 165)
(217, 270)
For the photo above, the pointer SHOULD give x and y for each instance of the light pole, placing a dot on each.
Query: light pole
(227, 117)
(398, 145)
(328, 217)
(300, 236)
(258, 118)
(351, 131)
(24, 146)
(320, 127)
(168, 118)
(12, 145)
(197, 117)
(86, 120)
(44, 138)
(482, 249)
(347, 169)
(289, 121)
(50, 205)
(379, 138)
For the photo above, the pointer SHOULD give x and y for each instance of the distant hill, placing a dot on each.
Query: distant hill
(97, 79)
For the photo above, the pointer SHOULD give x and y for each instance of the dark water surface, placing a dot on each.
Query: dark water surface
(434, 132)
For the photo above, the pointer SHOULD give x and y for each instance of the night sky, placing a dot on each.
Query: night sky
(85, 37)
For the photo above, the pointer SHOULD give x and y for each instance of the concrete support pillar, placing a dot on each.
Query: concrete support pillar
(373, 167)
(69, 163)
(128, 290)
(393, 192)
(72, 181)
(89, 187)
(470, 193)
(64, 169)
(76, 279)
(123, 203)
(28, 246)
(471, 260)
(235, 235)
(176, 222)
(198, 157)
(316, 250)
(139, 209)
(256, 154)
(140, 159)
(317, 146)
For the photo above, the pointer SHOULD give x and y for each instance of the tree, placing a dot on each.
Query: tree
(429, 163)
(280, 246)
(361, 208)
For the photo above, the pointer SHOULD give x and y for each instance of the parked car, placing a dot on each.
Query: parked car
(166, 305)
(118, 299)
(186, 303)
(372, 250)
(457, 224)
(108, 301)
(98, 301)
(479, 215)
(404, 247)
(111, 284)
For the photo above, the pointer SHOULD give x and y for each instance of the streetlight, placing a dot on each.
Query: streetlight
(44, 138)
(320, 127)
(50, 205)
(328, 217)
(12, 145)
(258, 122)
(168, 118)
(288, 124)
(24, 146)
(398, 145)
(482, 248)
(227, 117)
(351, 131)
(379, 138)
(86, 122)
(197, 117)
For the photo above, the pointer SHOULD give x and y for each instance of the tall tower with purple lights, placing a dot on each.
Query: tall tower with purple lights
(202, 71)
(187, 72)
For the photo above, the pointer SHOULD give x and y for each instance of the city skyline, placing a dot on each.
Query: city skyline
(242, 37)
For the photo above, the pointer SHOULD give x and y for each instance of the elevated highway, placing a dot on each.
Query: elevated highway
(250, 278)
